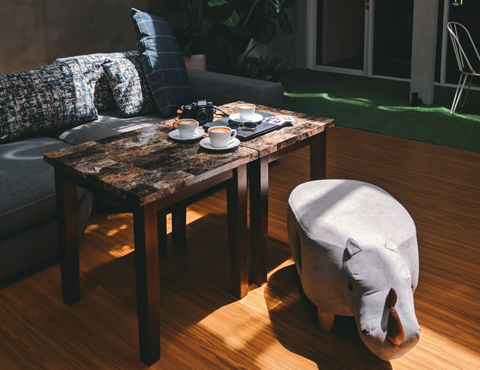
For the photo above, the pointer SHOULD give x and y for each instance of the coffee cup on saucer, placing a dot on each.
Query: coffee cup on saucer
(220, 136)
(246, 111)
(186, 127)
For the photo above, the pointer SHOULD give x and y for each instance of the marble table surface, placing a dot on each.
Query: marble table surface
(147, 171)
(305, 126)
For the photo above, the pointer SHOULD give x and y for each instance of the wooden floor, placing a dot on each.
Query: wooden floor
(273, 327)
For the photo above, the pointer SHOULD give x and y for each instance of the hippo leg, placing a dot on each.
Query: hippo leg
(326, 320)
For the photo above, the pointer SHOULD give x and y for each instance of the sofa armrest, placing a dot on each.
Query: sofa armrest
(221, 89)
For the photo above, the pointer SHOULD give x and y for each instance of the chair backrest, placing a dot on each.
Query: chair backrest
(456, 31)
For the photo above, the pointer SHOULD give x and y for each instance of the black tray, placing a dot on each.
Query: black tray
(244, 135)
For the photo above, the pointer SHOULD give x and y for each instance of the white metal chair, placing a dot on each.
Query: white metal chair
(456, 30)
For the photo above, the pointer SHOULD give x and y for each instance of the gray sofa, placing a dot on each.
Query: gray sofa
(28, 223)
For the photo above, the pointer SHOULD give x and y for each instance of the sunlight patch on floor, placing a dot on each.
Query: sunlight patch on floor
(90, 228)
(353, 101)
(193, 215)
(431, 344)
(284, 264)
(112, 232)
(121, 251)
(422, 109)
(114, 216)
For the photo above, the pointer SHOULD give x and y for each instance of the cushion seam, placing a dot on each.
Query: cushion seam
(26, 205)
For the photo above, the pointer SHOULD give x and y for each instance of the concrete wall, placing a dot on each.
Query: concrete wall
(36, 32)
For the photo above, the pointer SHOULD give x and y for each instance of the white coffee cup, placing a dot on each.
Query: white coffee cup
(220, 136)
(246, 111)
(186, 127)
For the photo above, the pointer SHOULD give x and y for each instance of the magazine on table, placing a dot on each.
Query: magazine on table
(280, 120)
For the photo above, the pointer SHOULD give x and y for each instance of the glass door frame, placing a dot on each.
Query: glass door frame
(367, 45)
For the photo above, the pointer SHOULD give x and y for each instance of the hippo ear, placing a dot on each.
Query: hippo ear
(390, 244)
(353, 247)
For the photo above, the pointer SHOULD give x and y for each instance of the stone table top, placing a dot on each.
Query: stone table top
(305, 126)
(145, 171)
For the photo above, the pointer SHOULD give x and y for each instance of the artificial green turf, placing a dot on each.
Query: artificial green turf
(382, 106)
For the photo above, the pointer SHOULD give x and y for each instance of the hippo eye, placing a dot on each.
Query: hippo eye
(364, 331)
(350, 287)
(411, 286)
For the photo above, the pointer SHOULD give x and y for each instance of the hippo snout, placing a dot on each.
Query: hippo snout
(378, 342)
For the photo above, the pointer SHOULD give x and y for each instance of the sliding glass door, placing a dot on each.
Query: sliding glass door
(393, 30)
(340, 36)
(362, 37)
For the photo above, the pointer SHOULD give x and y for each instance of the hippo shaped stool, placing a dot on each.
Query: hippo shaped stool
(355, 249)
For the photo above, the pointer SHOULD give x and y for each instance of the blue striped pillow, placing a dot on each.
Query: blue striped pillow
(162, 62)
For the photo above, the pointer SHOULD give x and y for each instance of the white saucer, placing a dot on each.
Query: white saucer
(175, 135)
(205, 143)
(256, 118)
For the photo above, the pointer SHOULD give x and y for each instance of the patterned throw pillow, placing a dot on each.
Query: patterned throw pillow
(129, 87)
(92, 68)
(42, 100)
(162, 62)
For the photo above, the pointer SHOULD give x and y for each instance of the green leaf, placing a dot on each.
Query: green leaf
(265, 32)
(284, 23)
(223, 13)
(233, 20)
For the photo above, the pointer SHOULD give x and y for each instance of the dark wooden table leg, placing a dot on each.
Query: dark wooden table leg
(318, 157)
(259, 219)
(179, 224)
(162, 232)
(147, 281)
(66, 194)
(237, 231)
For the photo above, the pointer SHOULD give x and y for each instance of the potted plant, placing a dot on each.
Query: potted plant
(190, 33)
(259, 69)
(256, 28)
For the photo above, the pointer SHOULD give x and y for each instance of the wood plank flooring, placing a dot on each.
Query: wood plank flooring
(274, 327)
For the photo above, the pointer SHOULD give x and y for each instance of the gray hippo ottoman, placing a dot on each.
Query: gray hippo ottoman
(355, 250)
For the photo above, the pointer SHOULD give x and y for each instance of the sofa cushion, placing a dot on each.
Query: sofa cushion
(37, 242)
(28, 184)
(108, 124)
(162, 62)
(129, 86)
(92, 69)
(43, 99)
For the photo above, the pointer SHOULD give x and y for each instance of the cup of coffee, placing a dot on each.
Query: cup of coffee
(220, 136)
(186, 127)
(246, 111)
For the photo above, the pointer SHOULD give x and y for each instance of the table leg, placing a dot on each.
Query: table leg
(179, 224)
(66, 194)
(162, 232)
(147, 281)
(259, 219)
(318, 157)
(237, 231)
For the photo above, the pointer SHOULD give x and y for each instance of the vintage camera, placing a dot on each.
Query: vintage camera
(200, 110)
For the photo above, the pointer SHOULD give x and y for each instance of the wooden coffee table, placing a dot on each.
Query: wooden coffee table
(149, 177)
(154, 175)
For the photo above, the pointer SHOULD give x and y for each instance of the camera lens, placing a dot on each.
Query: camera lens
(202, 116)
